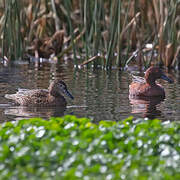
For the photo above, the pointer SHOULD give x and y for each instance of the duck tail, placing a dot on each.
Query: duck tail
(9, 96)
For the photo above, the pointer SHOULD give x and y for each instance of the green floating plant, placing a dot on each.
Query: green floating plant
(76, 148)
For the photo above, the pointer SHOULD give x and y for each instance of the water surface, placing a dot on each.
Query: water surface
(99, 95)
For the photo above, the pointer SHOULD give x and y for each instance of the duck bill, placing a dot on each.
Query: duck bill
(163, 76)
(68, 94)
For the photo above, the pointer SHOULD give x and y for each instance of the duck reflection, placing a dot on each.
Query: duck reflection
(146, 105)
(30, 112)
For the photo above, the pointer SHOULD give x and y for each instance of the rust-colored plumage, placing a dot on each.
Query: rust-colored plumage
(147, 86)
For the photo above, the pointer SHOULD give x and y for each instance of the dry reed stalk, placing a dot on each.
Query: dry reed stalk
(169, 54)
(71, 45)
(156, 10)
(91, 60)
(29, 13)
(129, 25)
(176, 55)
(151, 16)
(133, 35)
(68, 39)
(143, 4)
(41, 24)
(162, 43)
(55, 16)
(37, 8)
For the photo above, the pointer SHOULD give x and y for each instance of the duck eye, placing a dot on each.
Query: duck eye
(61, 86)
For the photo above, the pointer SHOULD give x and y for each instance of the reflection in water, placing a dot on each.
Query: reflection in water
(99, 94)
(28, 112)
(146, 105)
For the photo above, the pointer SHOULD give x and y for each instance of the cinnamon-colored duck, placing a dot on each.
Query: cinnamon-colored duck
(147, 87)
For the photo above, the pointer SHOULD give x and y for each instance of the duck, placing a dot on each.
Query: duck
(147, 86)
(53, 96)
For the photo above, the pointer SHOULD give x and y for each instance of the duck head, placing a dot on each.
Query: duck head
(154, 73)
(58, 88)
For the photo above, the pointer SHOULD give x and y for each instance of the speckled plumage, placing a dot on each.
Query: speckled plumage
(42, 97)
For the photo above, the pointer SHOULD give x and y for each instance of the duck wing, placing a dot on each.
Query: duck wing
(138, 79)
(28, 97)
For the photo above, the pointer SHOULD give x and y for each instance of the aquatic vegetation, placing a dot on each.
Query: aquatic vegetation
(107, 33)
(72, 148)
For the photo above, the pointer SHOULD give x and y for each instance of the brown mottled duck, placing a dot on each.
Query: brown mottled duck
(42, 97)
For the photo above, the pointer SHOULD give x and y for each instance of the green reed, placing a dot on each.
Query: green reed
(68, 7)
(12, 44)
(97, 28)
(112, 33)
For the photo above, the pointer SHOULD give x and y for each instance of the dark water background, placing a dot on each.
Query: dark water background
(99, 95)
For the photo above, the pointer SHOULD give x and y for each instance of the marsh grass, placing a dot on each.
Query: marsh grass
(117, 31)
(12, 44)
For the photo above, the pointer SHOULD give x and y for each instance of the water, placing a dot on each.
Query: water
(99, 95)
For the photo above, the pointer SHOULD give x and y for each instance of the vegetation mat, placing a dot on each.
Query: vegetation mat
(73, 148)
